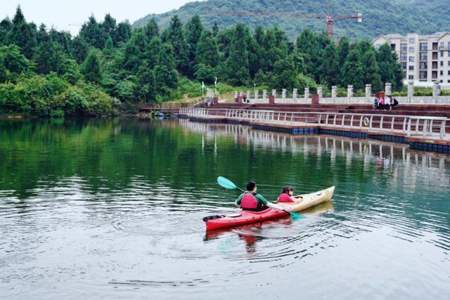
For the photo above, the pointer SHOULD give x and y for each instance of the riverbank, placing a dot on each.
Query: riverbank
(419, 132)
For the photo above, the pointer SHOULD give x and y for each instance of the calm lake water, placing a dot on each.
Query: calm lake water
(113, 210)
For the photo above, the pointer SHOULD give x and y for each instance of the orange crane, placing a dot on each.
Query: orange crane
(329, 19)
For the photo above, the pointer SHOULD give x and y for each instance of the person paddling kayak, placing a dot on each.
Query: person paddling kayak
(251, 200)
(287, 196)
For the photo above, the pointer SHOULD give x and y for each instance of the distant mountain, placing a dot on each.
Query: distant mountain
(380, 16)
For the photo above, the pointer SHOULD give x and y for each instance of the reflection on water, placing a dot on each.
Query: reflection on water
(113, 209)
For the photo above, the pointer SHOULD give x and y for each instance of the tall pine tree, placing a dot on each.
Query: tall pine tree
(236, 66)
(194, 29)
(175, 36)
(165, 71)
(352, 73)
(91, 68)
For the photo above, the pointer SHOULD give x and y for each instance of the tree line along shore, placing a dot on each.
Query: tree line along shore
(111, 66)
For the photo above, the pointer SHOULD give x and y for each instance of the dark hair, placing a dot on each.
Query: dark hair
(251, 186)
(286, 189)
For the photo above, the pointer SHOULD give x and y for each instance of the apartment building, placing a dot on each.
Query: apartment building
(425, 59)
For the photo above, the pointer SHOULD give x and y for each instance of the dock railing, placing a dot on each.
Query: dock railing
(433, 127)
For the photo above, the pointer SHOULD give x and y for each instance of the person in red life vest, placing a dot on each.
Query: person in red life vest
(251, 200)
(287, 196)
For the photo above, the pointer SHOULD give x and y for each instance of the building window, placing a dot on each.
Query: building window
(423, 65)
(448, 63)
(448, 48)
(434, 75)
(393, 47)
(423, 56)
(404, 65)
(411, 59)
(411, 68)
(403, 57)
(435, 46)
(423, 75)
(448, 81)
(434, 65)
(403, 47)
(442, 53)
(442, 63)
(435, 56)
(448, 72)
(441, 73)
(411, 77)
(411, 49)
(423, 46)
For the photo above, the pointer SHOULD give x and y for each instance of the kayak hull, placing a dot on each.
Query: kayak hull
(310, 200)
(245, 218)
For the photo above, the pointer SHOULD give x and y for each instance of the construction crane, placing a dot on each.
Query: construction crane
(329, 19)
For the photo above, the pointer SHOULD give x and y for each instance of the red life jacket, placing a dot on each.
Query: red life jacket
(249, 201)
(284, 198)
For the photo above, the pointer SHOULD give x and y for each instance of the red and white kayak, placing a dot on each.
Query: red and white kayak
(243, 218)
(246, 217)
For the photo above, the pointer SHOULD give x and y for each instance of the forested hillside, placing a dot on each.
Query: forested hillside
(380, 16)
(50, 73)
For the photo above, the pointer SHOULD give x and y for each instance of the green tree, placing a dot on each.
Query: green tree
(285, 74)
(152, 52)
(151, 30)
(93, 33)
(22, 34)
(193, 29)
(236, 66)
(308, 46)
(390, 69)
(215, 29)
(5, 27)
(352, 73)
(165, 71)
(207, 50)
(12, 63)
(329, 69)
(49, 57)
(146, 81)
(79, 49)
(122, 33)
(71, 71)
(134, 52)
(343, 49)
(109, 26)
(91, 68)
(205, 73)
(175, 36)
(109, 46)
(371, 71)
(63, 39)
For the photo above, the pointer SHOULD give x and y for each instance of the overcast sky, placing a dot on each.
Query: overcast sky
(70, 14)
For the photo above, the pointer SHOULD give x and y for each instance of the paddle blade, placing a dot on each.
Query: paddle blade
(225, 183)
(295, 216)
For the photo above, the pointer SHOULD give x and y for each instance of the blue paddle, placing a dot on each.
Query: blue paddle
(229, 185)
